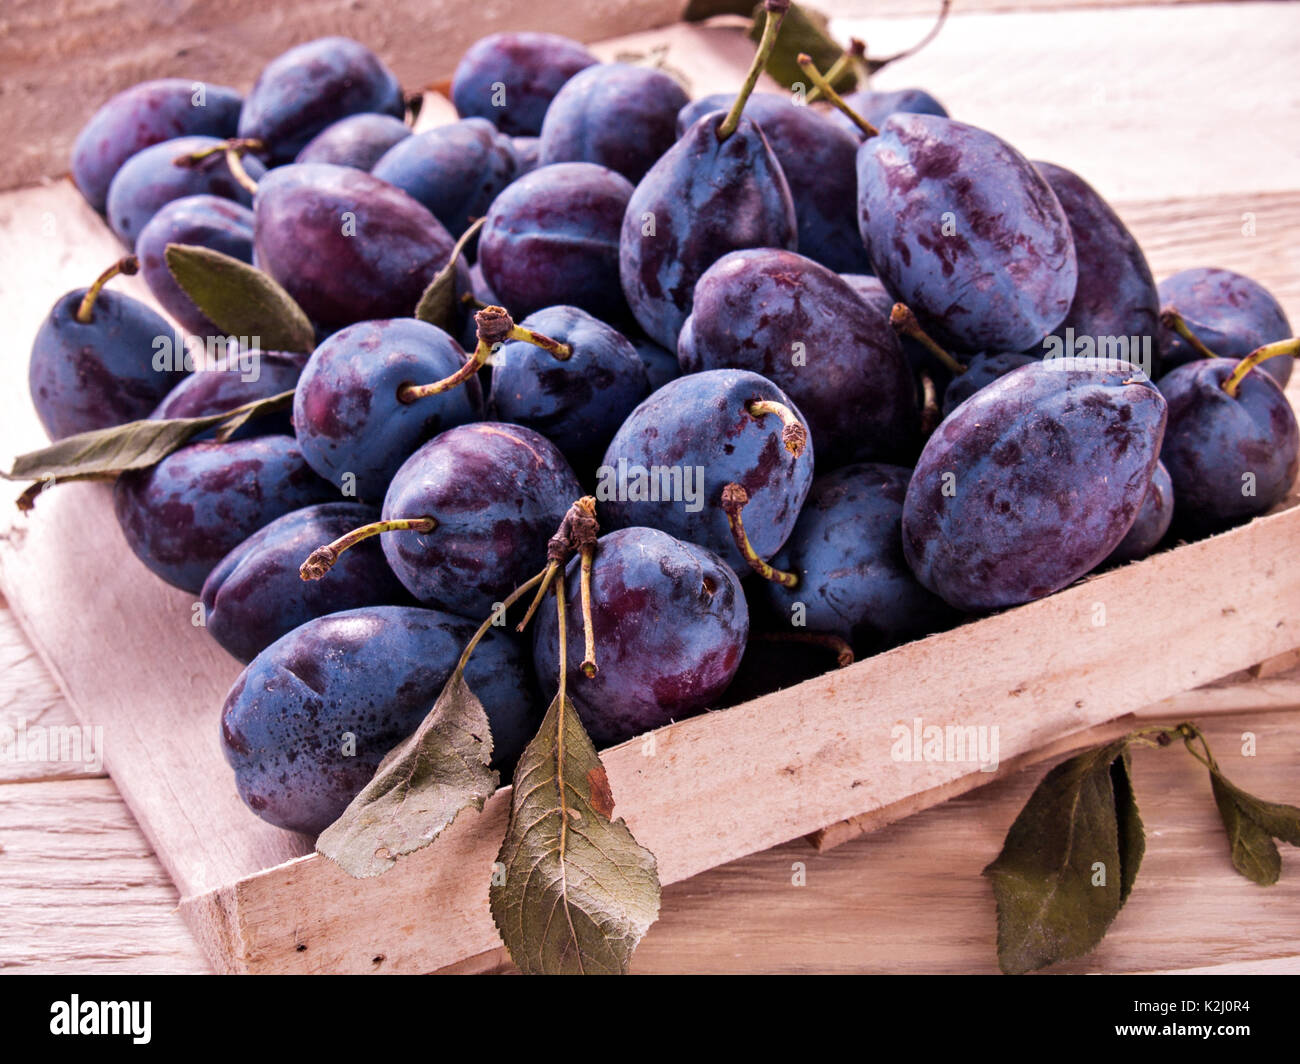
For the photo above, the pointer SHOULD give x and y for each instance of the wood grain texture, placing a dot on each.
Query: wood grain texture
(303, 916)
(1144, 102)
(80, 888)
(59, 61)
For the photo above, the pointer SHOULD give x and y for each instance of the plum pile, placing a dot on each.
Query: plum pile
(834, 381)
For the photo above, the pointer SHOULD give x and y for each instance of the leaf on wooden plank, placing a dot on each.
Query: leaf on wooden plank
(804, 31)
(135, 445)
(240, 299)
(439, 299)
(420, 787)
(1069, 861)
(577, 891)
(1251, 825)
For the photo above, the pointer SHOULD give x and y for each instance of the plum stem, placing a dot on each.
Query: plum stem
(843, 652)
(495, 327)
(322, 559)
(824, 87)
(929, 406)
(234, 150)
(547, 576)
(511, 599)
(846, 60)
(793, 433)
(905, 324)
(578, 531)
(1277, 349)
(775, 12)
(127, 265)
(1171, 319)
(564, 659)
(734, 498)
(589, 666)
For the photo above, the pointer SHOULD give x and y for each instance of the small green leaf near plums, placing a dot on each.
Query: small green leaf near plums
(1080, 824)
(135, 445)
(419, 789)
(578, 891)
(439, 300)
(803, 31)
(240, 299)
(1251, 825)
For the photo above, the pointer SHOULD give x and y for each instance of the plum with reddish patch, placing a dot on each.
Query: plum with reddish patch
(1229, 459)
(347, 246)
(670, 623)
(255, 595)
(498, 493)
(696, 433)
(962, 228)
(847, 552)
(183, 515)
(371, 674)
(552, 238)
(144, 115)
(347, 412)
(311, 86)
(801, 326)
(1032, 482)
(703, 198)
(579, 402)
(91, 375)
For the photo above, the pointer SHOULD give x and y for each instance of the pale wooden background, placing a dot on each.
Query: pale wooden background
(1184, 114)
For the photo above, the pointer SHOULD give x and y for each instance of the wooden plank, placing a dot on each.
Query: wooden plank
(1145, 102)
(1224, 602)
(80, 889)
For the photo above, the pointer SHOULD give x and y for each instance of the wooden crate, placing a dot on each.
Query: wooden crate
(706, 791)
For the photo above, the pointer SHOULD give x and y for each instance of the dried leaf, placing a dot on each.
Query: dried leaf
(1069, 861)
(420, 787)
(578, 891)
(240, 299)
(135, 445)
(439, 299)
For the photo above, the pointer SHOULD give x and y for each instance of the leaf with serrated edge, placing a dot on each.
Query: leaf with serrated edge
(1254, 854)
(1132, 835)
(240, 299)
(439, 298)
(578, 891)
(135, 445)
(1048, 908)
(420, 787)
(1279, 820)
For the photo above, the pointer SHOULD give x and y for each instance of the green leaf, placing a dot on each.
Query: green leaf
(578, 892)
(240, 299)
(439, 299)
(802, 31)
(1082, 815)
(420, 787)
(135, 445)
(1132, 837)
(1254, 854)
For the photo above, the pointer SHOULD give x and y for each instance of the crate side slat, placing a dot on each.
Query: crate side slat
(718, 787)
